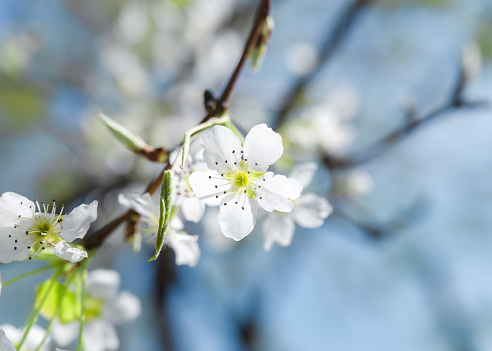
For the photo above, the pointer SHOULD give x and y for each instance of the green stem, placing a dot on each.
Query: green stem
(35, 311)
(28, 274)
(83, 277)
(222, 120)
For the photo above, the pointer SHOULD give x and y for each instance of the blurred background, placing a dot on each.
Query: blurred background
(390, 97)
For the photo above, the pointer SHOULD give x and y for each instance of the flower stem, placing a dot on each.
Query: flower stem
(28, 274)
(35, 311)
(83, 276)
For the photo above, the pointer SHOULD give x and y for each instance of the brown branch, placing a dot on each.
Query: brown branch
(261, 15)
(98, 237)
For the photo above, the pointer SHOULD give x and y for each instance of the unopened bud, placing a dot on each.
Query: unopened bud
(259, 51)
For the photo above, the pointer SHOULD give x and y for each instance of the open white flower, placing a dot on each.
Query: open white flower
(12, 335)
(185, 246)
(237, 179)
(183, 194)
(26, 227)
(5, 344)
(105, 308)
(310, 211)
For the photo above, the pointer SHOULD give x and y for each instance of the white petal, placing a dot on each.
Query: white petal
(262, 147)
(185, 247)
(303, 172)
(277, 228)
(142, 204)
(237, 220)
(192, 209)
(12, 206)
(122, 309)
(100, 335)
(76, 224)
(35, 337)
(14, 244)
(276, 192)
(5, 344)
(311, 210)
(103, 283)
(65, 251)
(64, 333)
(221, 145)
(209, 186)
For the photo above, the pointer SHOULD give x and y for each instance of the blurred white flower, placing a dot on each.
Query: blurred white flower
(22, 228)
(310, 211)
(237, 179)
(328, 126)
(105, 308)
(12, 335)
(184, 245)
(358, 182)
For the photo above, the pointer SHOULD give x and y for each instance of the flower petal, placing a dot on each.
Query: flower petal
(142, 204)
(277, 228)
(64, 333)
(192, 209)
(185, 247)
(303, 172)
(311, 210)
(65, 251)
(103, 283)
(122, 309)
(12, 206)
(277, 192)
(100, 335)
(209, 186)
(222, 148)
(14, 244)
(262, 147)
(5, 344)
(237, 217)
(76, 224)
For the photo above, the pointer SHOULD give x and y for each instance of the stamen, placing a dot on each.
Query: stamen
(37, 204)
(44, 206)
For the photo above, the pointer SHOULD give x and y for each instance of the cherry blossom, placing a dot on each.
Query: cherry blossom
(105, 308)
(185, 246)
(12, 335)
(309, 211)
(183, 195)
(238, 181)
(29, 228)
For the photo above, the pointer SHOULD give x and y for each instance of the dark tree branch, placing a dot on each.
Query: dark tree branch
(342, 28)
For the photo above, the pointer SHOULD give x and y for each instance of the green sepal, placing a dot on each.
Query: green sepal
(165, 211)
(70, 308)
(123, 135)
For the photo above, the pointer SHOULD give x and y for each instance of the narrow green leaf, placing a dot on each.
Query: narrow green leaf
(186, 149)
(124, 136)
(165, 209)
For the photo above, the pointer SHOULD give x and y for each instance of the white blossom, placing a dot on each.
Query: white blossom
(237, 179)
(310, 211)
(185, 246)
(27, 227)
(12, 335)
(183, 194)
(110, 308)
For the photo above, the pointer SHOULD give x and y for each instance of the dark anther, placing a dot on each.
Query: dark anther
(216, 163)
(224, 192)
(16, 241)
(216, 196)
(29, 247)
(236, 202)
(10, 236)
(225, 161)
(235, 163)
(30, 258)
(242, 208)
(216, 186)
(233, 151)
(245, 191)
(209, 177)
(15, 248)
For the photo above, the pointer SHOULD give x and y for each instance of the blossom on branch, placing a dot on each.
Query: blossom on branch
(27, 228)
(12, 335)
(238, 181)
(310, 211)
(185, 246)
(105, 308)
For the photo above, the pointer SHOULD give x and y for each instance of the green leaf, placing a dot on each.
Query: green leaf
(165, 209)
(124, 136)
(59, 294)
